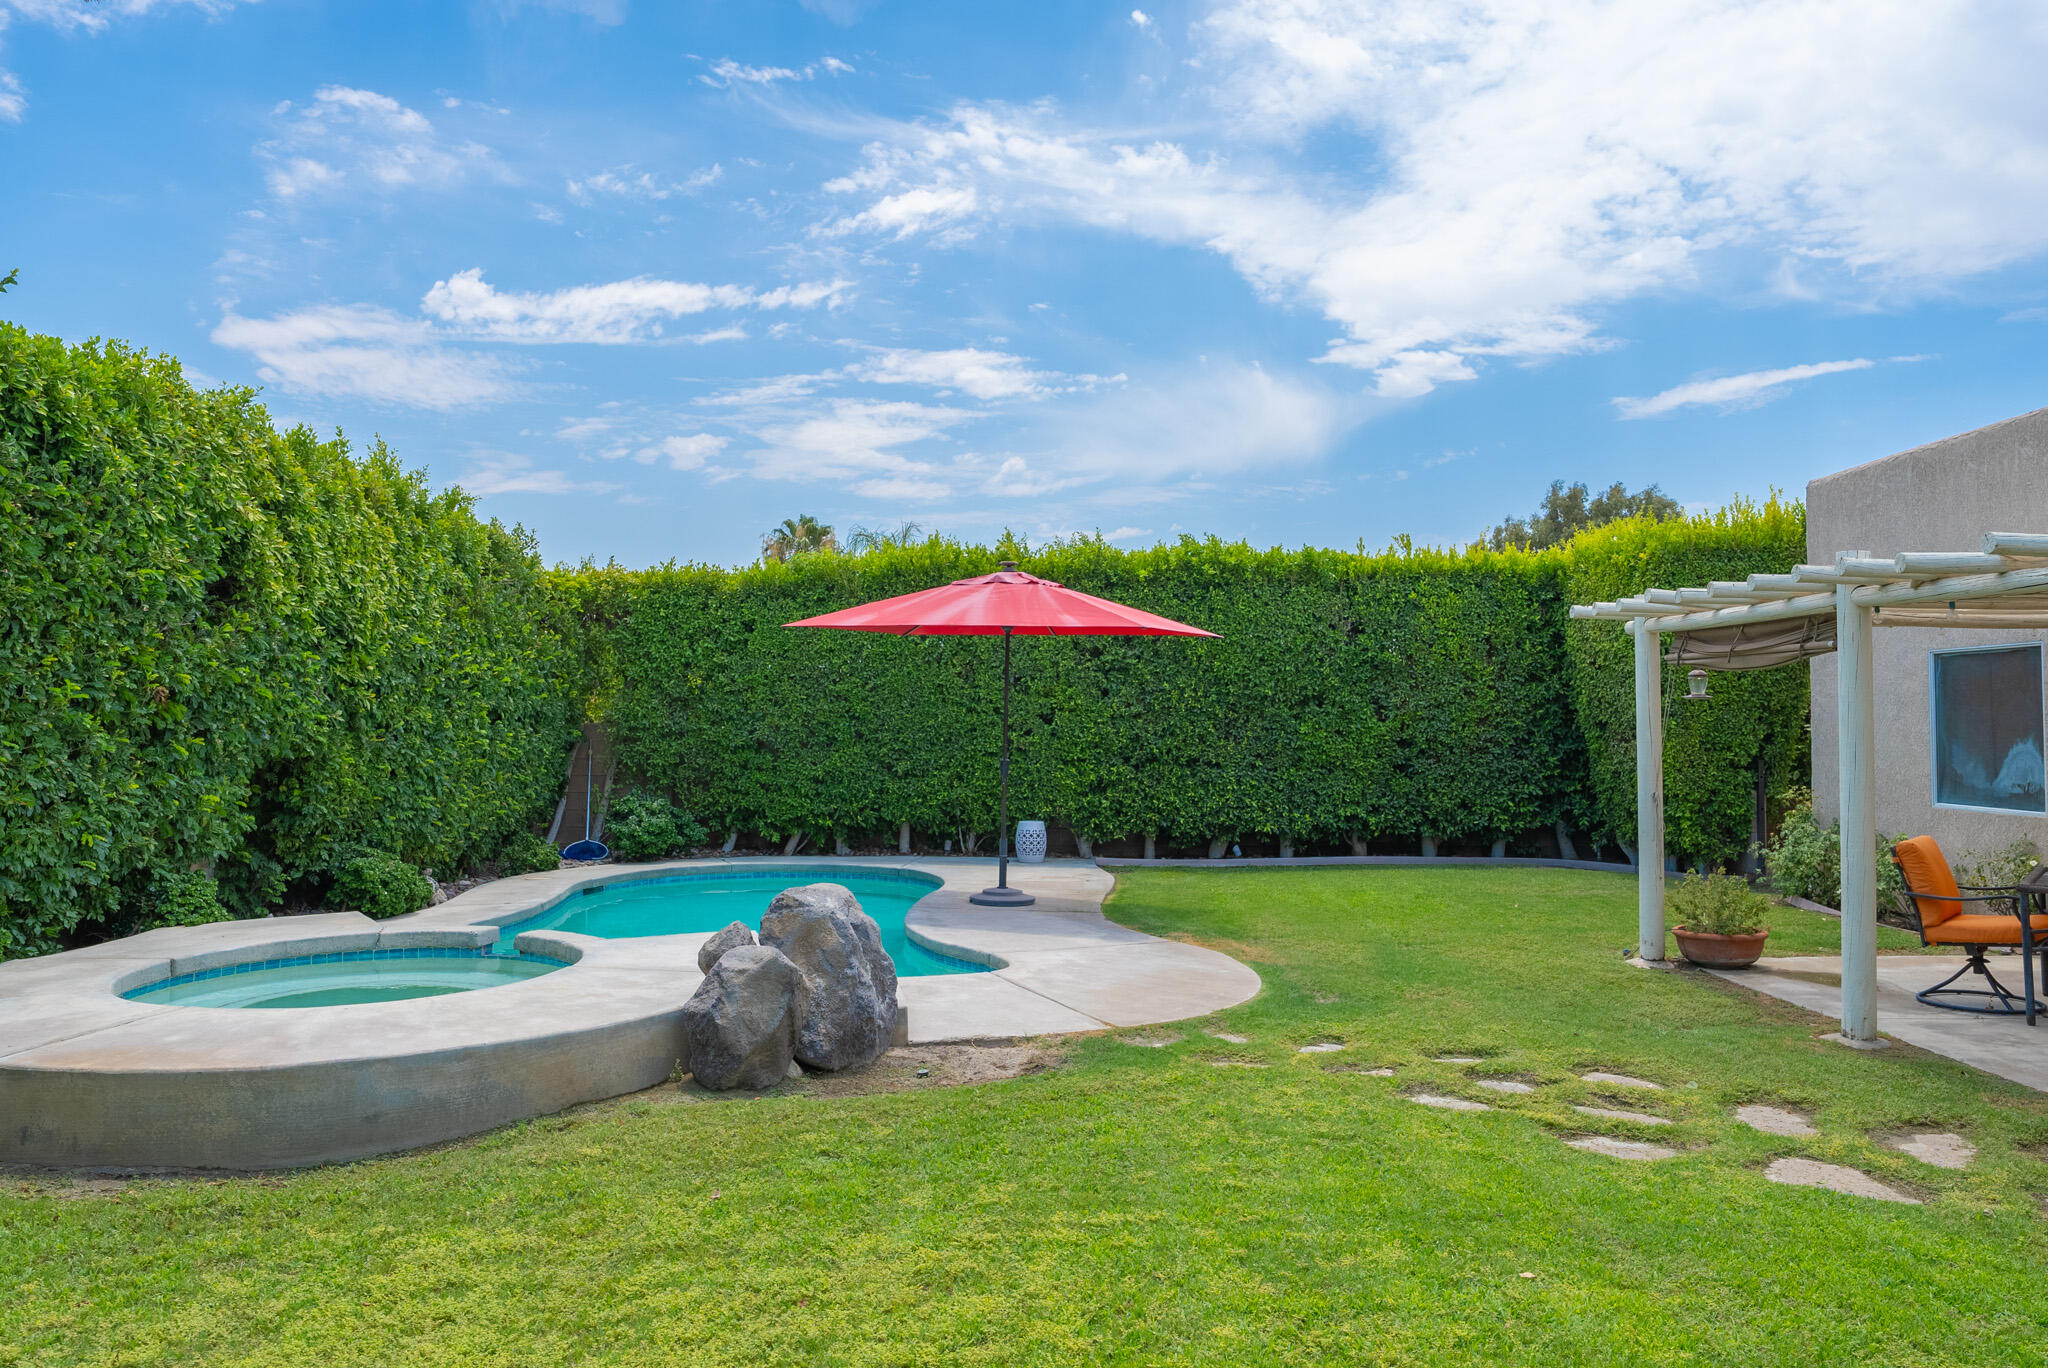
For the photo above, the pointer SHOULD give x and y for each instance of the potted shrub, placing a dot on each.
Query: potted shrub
(1720, 921)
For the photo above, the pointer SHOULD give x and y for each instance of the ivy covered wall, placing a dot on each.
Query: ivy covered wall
(245, 652)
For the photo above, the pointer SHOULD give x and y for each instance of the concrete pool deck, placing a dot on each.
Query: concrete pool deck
(90, 1078)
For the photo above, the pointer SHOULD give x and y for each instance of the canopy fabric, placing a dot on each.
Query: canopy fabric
(1753, 645)
(1007, 601)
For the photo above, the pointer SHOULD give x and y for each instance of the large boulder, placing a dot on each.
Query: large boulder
(741, 1023)
(732, 938)
(850, 1018)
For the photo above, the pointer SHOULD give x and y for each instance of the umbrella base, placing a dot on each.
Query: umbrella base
(1001, 897)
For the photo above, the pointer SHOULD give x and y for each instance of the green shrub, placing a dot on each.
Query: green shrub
(1720, 904)
(646, 826)
(1804, 860)
(527, 853)
(187, 899)
(2002, 868)
(380, 886)
(246, 649)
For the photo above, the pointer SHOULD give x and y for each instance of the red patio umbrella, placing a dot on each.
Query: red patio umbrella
(1007, 602)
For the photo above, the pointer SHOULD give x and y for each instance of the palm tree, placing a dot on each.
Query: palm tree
(796, 536)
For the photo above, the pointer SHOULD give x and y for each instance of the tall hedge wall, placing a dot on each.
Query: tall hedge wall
(1712, 750)
(242, 651)
(1406, 694)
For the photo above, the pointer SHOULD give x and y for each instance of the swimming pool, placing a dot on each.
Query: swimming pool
(674, 904)
(344, 978)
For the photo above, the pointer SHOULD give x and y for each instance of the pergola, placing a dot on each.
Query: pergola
(1770, 620)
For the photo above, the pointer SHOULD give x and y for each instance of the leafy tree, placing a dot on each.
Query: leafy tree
(13, 277)
(1567, 510)
(798, 536)
(866, 539)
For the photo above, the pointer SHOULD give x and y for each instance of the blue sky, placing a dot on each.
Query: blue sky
(650, 277)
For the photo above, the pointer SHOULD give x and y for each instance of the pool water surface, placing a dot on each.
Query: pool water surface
(672, 905)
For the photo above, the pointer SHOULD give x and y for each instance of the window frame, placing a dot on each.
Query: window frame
(1934, 657)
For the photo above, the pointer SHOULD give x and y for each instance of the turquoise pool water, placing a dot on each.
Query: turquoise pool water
(338, 980)
(670, 905)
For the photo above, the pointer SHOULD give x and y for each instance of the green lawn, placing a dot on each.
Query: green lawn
(1142, 1205)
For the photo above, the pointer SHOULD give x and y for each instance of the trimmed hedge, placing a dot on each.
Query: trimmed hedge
(1712, 750)
(1408, 694)
(235, 650)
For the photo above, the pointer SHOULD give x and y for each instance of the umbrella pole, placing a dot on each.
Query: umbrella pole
(1002, 895)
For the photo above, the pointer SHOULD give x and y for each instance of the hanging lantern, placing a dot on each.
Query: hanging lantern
(1696, 685)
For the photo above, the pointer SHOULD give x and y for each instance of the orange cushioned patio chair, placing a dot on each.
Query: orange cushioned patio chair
(1946, 918)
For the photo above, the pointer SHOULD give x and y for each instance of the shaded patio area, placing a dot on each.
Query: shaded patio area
(2001, 1045)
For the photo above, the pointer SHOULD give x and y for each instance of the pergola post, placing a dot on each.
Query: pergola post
(1856, 744)
(1649, 791)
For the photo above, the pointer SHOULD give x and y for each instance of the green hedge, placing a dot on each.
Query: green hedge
(1712, 750)
(244, 652)
(1406, 694)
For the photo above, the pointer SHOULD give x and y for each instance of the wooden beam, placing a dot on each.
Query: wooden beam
(2016, 543)
(1649, 793)
(1855, 753)
(1955, 588)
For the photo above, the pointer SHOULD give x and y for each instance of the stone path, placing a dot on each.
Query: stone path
(1463, 1104)
(1941, 1149)
(1458, 1059)
(1835, 1178)
(1616, 1080)
(1504, 1085)
(1320, 1047)
(1227, 1037)
(1774, 1120)
(1620, 1149)
(1614, 1114)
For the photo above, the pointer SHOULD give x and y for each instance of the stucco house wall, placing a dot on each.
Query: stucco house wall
(1940, 497)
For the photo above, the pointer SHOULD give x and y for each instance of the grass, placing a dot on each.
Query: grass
(1144, 1205)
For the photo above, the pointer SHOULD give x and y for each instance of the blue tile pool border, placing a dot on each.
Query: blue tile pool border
(337, 957)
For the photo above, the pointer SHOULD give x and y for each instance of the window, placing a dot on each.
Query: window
(1988, 729)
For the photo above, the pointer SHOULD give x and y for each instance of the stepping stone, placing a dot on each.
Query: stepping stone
(1615, 1080)
(1640, 1118)
(1835, 1178)
(1457, 1059)
(1229, 1038)
(1621, 1149)
(1504, 1085)
(1233, 1064)
(1774, 1120)
(1380, 1073)
(1943, 1150)
(1151, 1042)
(1320, 1047)
(1449, 1103)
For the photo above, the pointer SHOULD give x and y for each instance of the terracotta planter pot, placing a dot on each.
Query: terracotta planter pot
(1721, 952)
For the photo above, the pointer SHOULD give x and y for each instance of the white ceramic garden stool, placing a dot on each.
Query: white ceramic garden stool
(1031, 843)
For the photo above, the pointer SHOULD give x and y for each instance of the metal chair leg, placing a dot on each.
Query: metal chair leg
(2009, 1002)
(2027, 957)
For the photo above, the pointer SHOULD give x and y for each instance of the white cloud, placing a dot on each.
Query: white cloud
(846, 439)
(733, 333)
(1731, 391)
(1128, 534)
(983, 374)
(13, 99)
(1141, 19)
(725, 72)
(357, 351)
(684, 453)
(606, 12)
(628, 183)
(1536, 163)
(513, 474)
(362, 140)
(617, 312)
(1208, 421)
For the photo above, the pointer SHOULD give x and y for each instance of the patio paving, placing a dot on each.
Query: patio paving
(2005, 1046)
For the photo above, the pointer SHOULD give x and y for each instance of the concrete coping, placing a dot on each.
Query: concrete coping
(101, 1079)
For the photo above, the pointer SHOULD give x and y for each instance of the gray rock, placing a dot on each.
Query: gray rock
(732, 938)
(741, 1023)
(851, 1016)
